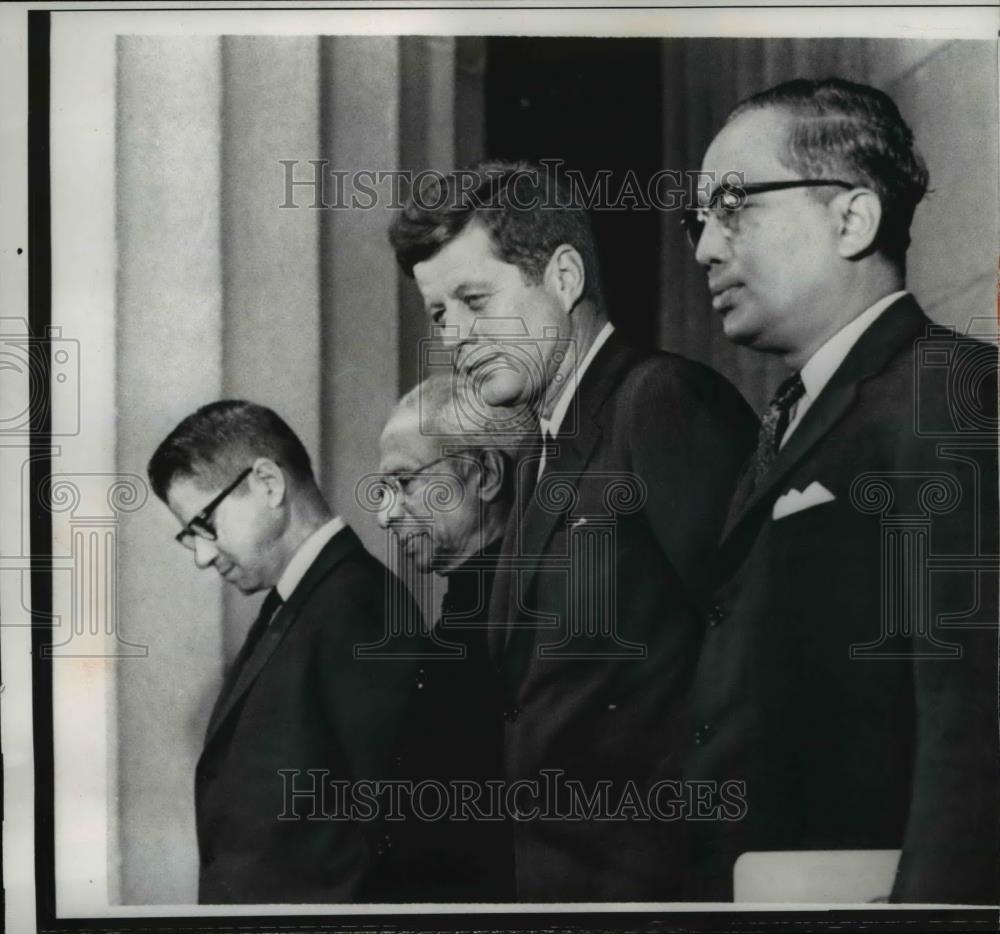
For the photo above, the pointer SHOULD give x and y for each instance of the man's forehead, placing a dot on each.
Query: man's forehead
(751, 146)
(404, 442)
(187, 496)
(185, 486)
(468, 257)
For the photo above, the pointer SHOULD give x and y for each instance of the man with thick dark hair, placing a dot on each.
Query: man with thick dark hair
(297, 697)
(594, 616)
(848, 675)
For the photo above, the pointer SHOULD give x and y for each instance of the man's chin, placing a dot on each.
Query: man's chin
(421, 565)
(245, 587)
(419, 554)
(504, 390)
(443, 565)
(738, 327)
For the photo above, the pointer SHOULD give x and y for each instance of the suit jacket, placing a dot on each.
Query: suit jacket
(595, 622)
(453, 734)
(295, 700)
(848, 676)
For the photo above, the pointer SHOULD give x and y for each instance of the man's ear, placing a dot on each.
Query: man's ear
(566, 276)
(859, 213)
(270, 478)
(492, 474)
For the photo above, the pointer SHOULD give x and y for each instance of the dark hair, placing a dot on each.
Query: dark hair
(852, 131)
(222, 438)
(526, 211)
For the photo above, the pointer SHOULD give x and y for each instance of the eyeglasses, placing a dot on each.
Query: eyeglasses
(726, 202)
(201, 525)
(401, 483)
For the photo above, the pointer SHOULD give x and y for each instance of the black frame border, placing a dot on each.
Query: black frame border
(41, 450)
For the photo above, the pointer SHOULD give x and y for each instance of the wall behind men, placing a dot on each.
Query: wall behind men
(223, 293)
(946, 91)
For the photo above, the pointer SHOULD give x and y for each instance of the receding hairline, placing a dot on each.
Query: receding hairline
(786, 120)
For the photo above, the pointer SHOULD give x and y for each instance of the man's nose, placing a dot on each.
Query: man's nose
(205, 552)
(454, 326)
(392, 509)
(713, 244)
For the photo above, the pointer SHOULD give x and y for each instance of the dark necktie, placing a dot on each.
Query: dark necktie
(774, 424)
(272, 603)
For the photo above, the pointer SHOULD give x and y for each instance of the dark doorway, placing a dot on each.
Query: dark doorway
(595, 104)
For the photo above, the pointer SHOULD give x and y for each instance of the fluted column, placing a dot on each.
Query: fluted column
(170, 355)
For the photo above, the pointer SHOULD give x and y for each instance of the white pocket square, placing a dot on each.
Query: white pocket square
(793, 501)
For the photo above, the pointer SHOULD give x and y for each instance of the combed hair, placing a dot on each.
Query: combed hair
(527, 213)
(854, 132)
(213, 444)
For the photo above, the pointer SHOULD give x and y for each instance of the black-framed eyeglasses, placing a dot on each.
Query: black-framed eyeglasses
(726, 202)
(200, 526)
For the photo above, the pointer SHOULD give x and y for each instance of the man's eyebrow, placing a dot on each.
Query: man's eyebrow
(458, 290)
(467, 285)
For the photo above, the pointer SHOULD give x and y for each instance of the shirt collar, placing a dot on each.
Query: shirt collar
(308, 551)
(554, 422)
(821, 366)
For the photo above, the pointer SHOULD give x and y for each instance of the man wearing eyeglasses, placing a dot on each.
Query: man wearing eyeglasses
(848, 674)
(295, 698)
(594, 616)
(447, 513)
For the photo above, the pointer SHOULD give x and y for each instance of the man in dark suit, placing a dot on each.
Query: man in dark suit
(448, 494)
(594, 621)
(297, 697)
(848, 676)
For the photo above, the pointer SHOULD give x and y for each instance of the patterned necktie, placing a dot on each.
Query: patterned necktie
(774, 424)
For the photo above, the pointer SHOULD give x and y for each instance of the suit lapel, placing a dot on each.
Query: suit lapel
(744, 490)
(544, 510)
(501, 599)
(899, 324)
(576, 447)
(825, 412)
(232, 674)
(246, 670)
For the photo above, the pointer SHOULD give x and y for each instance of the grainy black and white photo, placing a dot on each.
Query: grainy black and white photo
(491, 467)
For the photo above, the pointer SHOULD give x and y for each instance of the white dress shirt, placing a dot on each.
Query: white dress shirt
(820, 367)
(303, 558)
(553, 423)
